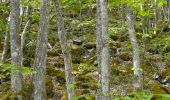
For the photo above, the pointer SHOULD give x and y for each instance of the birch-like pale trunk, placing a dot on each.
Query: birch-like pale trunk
(98, 44)
(136, 53)
(41, 53)
(23, 40)
(65, 50)
(155, 16)
(5, 47)
(105, 57)
(16, 77)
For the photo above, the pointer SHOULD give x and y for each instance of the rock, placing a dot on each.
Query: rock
(77, 41)
(90, 45)
(125, 56)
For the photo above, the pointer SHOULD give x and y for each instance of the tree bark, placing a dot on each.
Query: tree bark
(5, 48)
(23, 40)
(41, 53)
(16, 77)
(155, 16)
(98, 44)
(65, 50)
(136, 54)
(105, 57)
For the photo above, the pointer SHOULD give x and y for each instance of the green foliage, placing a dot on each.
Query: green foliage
(144, 96)
(13, 68)
(83, 67)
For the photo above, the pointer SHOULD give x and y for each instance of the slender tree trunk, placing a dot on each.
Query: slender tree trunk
(148, 21)
(168, 10)
(5, 48)
(155, 16)
(98, 45)
(23, 40)
(105, 57)
(41, 52)
(16, 77)
(65, 50)
(136, 55)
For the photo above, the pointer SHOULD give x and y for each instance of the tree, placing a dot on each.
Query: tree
(136, 55)
(103, 49)
(16, 77)
(41, 52)
(65, 50)
(98, 43)
(5, 47)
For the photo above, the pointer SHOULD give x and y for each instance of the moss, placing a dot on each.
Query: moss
(77, 60)
(28, 62)
(75, 67)
(59, 64)
(5, 95)
(79, 95)
(53, 52)
(53, 72)
(5, 86)
(125, 56)
(90, 45)
(27, 90)
(49, 87)
(83, 78)
(86, 82)
(158, 89)
(57, 45)
(77, 51)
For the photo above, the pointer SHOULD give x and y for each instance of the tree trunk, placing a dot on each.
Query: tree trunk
(98, 44)
(41, 52)
(16, 77)
(65, 50)
(136, 55)
(105, 57)
(23, 40)
(5, 48)
(155, 16)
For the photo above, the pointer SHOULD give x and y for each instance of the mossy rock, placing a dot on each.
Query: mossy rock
(28, 62)
(5, 86)
(49, 87)
(75, 67)
(114, 37)
(5, 95)
(57, 45)
(90, 45)
(80, 94)
(77, 60)
(83, 78)
(125, 56)
(158, 89)
(77, 51)
(54, 52)
(147, 68)
(59, 64)
(27, 90)
(86, 81)
(53, 72)
(85, 68)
